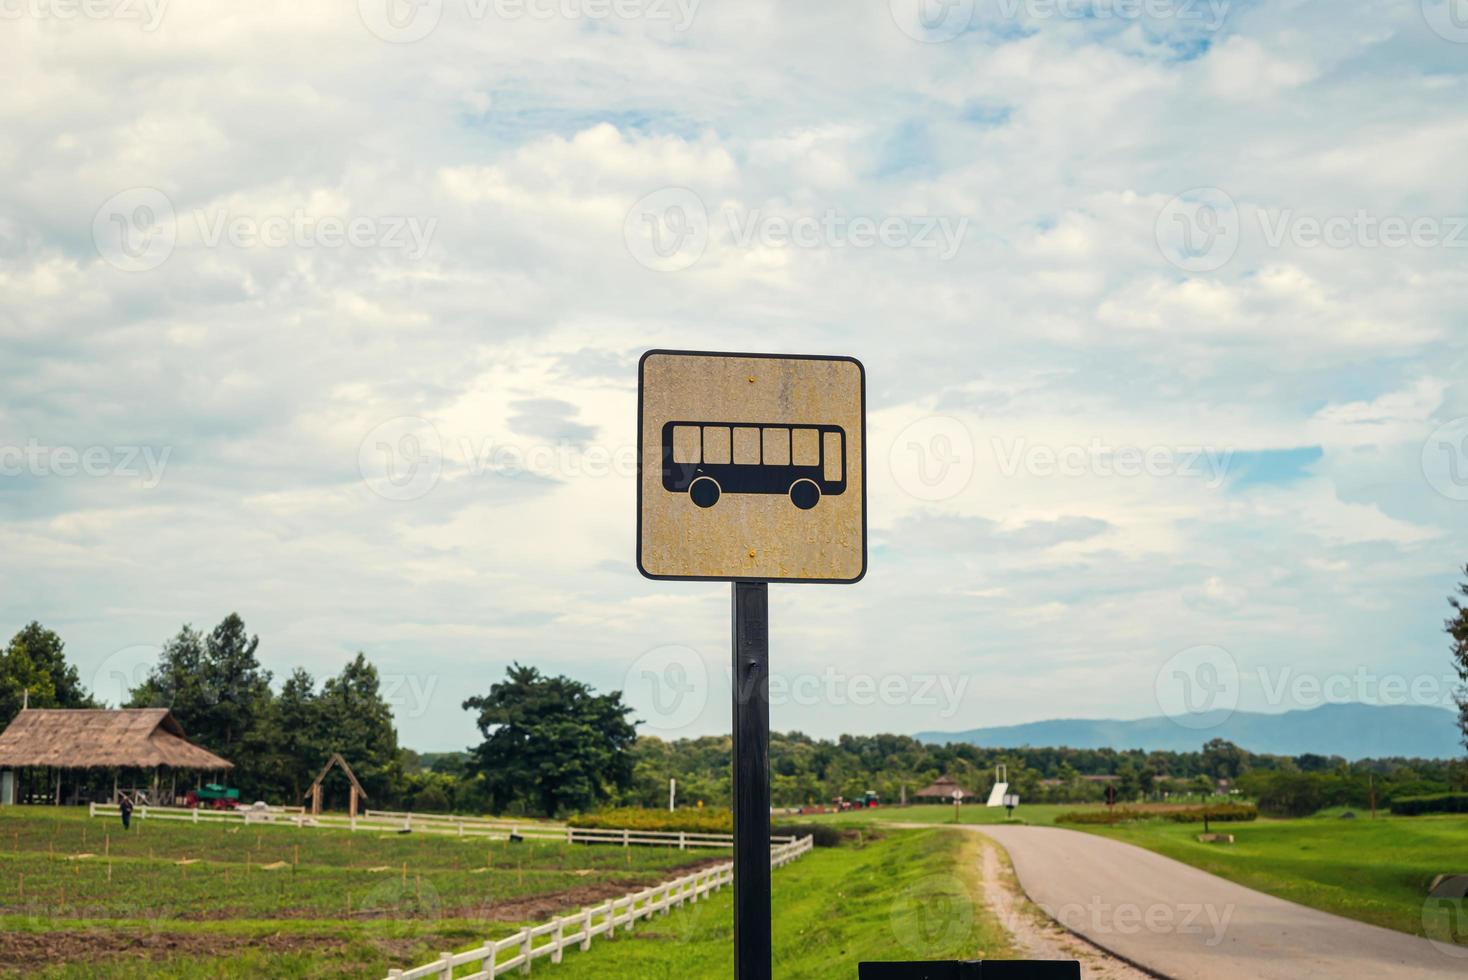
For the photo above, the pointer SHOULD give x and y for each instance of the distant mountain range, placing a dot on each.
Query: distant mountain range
(1355, 731)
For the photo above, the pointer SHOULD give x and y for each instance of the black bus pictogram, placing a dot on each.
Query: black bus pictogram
(709, 459)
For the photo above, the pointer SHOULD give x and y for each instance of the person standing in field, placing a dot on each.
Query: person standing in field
(125, 807)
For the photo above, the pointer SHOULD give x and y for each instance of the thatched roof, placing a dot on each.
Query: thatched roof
(943, 788)
(96, 738)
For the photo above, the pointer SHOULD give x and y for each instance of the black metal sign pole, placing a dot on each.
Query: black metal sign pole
(751, 781)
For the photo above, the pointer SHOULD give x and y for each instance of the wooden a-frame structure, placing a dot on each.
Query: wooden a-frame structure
(357, 792)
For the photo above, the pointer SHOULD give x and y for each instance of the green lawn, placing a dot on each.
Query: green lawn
(913, 894)
(1375, 871)
(344, 905)
(280, 901)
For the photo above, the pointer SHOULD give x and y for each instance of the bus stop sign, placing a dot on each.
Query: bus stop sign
(751, 467)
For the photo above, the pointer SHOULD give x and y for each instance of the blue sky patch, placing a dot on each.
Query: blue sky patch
(1271, 467)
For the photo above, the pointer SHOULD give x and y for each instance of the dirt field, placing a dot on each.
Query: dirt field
(81, 898)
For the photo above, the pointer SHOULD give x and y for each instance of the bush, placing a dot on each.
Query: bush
(1411, 806)
(691, 821)
(824, 834)
(1108, 816)
(431, 799)
(1217, 813)
(1293, 794)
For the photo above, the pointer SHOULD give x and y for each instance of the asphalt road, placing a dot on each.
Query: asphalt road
(1176, 921)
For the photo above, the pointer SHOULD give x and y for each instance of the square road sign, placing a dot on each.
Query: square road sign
(751, 467)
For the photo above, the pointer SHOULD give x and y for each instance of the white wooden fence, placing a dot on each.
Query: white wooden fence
(383, 821)
(553, 938)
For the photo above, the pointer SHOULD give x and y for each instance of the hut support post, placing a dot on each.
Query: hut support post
(357, 792)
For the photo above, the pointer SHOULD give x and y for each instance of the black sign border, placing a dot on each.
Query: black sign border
(861, 373)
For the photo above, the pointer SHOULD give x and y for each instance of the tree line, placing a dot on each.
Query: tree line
(217, 689)
(807, 771)
(553, 745)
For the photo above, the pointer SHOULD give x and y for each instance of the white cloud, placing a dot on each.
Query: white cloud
(1057, 324)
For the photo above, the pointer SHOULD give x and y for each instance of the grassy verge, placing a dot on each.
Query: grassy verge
(911, 894)
(1375, 871)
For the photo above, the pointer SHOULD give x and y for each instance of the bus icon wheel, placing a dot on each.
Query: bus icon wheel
(805, 494)
(704, 491)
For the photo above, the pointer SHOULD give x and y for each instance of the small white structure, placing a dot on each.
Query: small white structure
(1001, 785)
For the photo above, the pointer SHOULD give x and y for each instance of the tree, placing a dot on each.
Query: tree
(551, 743)
(298, 742)
(177, 680)
(48, 654)
(34, 671)
(1146, 780)
(241, 687)
(356, 721)
(1129, 781)
(21, 683)
(1223, 759)
(1457, 628)
(219, 693)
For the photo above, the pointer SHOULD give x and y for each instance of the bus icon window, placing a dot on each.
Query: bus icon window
(709, 459)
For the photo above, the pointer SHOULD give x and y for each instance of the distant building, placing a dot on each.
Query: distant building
(942, 789)
(130, 743)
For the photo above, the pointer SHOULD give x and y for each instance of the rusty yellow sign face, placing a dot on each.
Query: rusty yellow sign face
(751, 467)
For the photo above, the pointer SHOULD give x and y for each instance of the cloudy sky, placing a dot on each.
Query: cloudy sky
(329, 314)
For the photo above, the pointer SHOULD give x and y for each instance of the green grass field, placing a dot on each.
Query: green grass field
(1375, 871)
(912, 894)
(79, 898)
(280, 901)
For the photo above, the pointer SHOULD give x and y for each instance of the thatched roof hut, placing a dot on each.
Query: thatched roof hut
(100, 738)
(943, 788)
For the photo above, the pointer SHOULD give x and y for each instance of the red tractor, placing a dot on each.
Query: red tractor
(213, 796)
